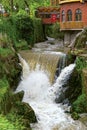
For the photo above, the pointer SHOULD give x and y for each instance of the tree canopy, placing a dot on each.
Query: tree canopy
(23, 4)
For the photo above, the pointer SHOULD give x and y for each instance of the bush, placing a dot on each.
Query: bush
(7, 125)
(75, 116)
(54, 31)
(4, 52)
(38, 30)
(24, 25)
(80, 64)
(80, 105)
(17, 27)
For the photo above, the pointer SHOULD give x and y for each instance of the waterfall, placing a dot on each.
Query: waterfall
(47, 61)
(40, 93)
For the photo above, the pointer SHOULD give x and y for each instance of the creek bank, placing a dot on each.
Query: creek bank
(10, 103)
(77, 85)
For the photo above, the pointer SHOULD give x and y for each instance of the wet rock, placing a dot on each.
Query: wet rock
(75, 116)
(83, 118)
(74, 87)
(24, 109)
(18, 96)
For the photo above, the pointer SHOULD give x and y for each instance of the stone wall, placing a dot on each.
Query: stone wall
(69, 36)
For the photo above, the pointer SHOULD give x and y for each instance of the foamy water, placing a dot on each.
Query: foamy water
(40, 94)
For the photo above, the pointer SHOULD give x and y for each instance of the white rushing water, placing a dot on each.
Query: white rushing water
(40, 94)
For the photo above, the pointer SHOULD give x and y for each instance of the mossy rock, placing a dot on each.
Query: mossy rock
(81, 39)
(75, 116)
(9, 67)
(74, 87)
(18, 96)
(83, 118)
(24, 109)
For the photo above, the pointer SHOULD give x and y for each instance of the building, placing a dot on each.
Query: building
(70, 13)
(73, 17)
(49, 15)
(73, 14)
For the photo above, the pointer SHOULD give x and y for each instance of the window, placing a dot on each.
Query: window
(69, 15)
(48, 16)
(63, 16)
(58, 15)
(78, 15)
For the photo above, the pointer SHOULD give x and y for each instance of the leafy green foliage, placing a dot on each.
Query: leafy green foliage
(21, 45)
(24, 31)
(54, 31)
(4, 52)
(38, 30)
(25, 28)
(80, 64)
(80, 105)
(8, 28)
(3, 87)
(7, 125)
(21, 4)
(75, 116)
(18, 27)
(4, 95)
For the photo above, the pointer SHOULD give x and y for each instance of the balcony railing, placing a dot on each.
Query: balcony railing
(68, 1)
(72, 25)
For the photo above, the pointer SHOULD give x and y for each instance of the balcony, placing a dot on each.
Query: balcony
(68, 1)
(72, 25)
(49, 21)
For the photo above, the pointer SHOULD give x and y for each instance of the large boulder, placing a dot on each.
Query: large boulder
(80, 41)
(25, 110)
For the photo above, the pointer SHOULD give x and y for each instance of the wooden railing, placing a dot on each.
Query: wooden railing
(49, 21)
(72, 25)
(68, 1)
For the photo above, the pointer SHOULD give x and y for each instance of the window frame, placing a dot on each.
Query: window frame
(69, 15)
(63, 16)
(78, 15)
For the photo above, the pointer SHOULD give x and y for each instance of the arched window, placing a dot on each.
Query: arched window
(63, 16)
(78, 15)
(69, 15)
